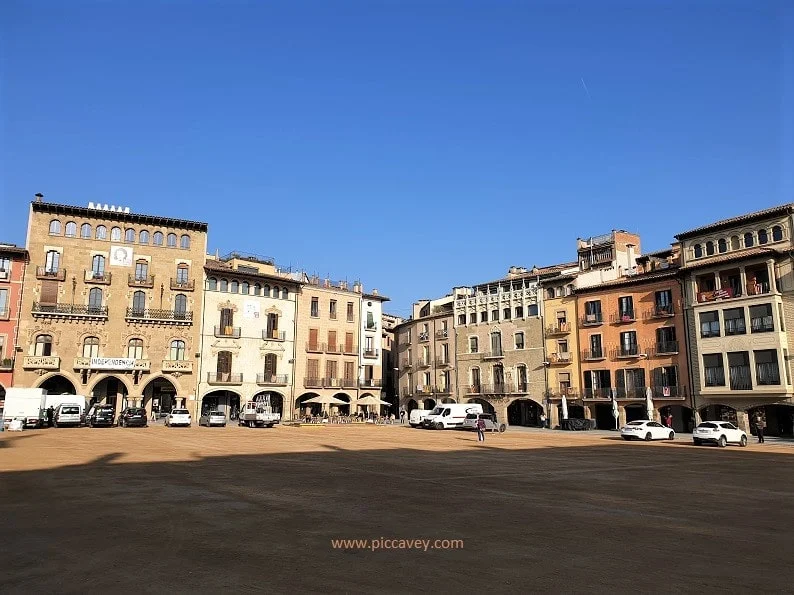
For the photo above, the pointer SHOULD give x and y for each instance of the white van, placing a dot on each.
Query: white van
(450, 415)
(416, 416)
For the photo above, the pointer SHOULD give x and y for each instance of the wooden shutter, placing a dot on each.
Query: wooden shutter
(332, 344)
(348, 342)
(349, 373)
(313, 368)
(49, 292)
(270, 366)
(313, 338)
(330, 369)
(224, 366)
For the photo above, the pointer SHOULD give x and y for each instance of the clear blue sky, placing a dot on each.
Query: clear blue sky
(416, 145)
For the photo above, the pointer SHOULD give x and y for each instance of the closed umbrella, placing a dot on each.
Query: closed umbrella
(649, 401)
(615, 411)
(564, 407)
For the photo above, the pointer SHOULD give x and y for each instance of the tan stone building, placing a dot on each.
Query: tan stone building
(390, 360)
(111, 302)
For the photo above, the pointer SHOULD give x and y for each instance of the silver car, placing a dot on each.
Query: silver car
(213, 418)
(470, 423)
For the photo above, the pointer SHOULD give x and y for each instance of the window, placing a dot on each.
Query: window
(475, 379)
(101, 232)
(598, 383)
(5, 264)
(626, 308)
(115, 234)
(763, 238)
(663, 302)
(135, 349)
(157, 238)
(484, 316)
(266, 291)
(285, 294)
(234, 287)
(171, 240)
(182, 272)
(748, 239)
(496, 343)
(143, 237)
(315, 307)
(666, 340)
(562, 347)
(52, 262)
(519, 340)
(272, 326)
(270, 367)
(506, 314)
(630, 382)
(474, 344)
(596, 349)
(519, 312)
(780, 318)
(129, 236)
(710, 324)
(494, 315)
(777, 233)
(3, 303)
(95, 300)
(734, 242)
(85, 231)
(698, 251)
(91, 347)
(739, 370)
(767, 371)
(709, 248)
(445, 353)
(177, 349)
(550, 293)
(184, 241)
(245, 289)
(275, 291)
(425, 351)
(332, 309)
(761, 320)
(71, 229)
(138, 303)
(532, 310)
(224, 286)
(461, 319)
(43, 345)
(257, 289)
(350, 316)
(55, 227)
(628, 344)
(180, 306)
(473, 318)
(734, 321)
(227, 320)
(371, 326)
(141, 270)
(98, 266)
(592, 311)
(722, 246)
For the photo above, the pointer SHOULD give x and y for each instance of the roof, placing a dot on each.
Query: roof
(746, 218)
(663, 252)
(215, 266)
(58, 209)
(376, 297)
(731, 256)
(632, 280)
(12, 249)
(533, 273)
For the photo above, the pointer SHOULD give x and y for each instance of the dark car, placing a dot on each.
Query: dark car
(133, 416)
(101, 415)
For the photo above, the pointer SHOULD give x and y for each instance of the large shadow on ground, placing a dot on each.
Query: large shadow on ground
(589, 519)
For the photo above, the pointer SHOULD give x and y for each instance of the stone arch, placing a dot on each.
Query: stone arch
(157, 393)
(277, 400)
(429, 404)
(224, 400)
(411, 404)
(524, 412)
(301, 407)
(487, 407)
(57, 380)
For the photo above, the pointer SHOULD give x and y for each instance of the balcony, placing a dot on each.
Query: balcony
(152, 315)
(442, 390)
(442, 334)
(670, 392)
(69, 310)
(349, 383)
(424, 337)
(182, 284)
(440, 362)
(424, 363)
(406, 365)
(593, 394)
(98, 277)
(224, 378)
(41, 362)
(315, 347)
(46, 273)
(632, 393)
(663, 311)
(593, 354)
(560, 358)
(627, 352)
(624, 316)
(496, 389)
(335, 348)
(271, 379)
(371, 353)
(474, 389)
(231, 332)
(594, 319)
(140, 280)
(563, 328)
(350, 350)
(313, 382)
(6, 364)
(332, 382)
(273, 335)
(568, 393)
(177, 366)
(758, 288)
(666, 347)
(371, 383)
(717, 294)
(494, 354)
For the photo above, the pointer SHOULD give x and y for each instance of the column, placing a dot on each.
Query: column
(770, 269)
(717, 283)
(743, 279)
(742, 421)
(621, 416)
(554, 415)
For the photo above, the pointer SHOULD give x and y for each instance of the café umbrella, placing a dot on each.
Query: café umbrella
(326, 400)
(649, 401)
(369, 400)
(615, 411)
(564, 407)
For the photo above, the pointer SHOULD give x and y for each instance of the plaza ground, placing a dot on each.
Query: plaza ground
(237, 509)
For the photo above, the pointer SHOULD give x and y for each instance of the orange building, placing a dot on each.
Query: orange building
(13, 261)
(632, 337)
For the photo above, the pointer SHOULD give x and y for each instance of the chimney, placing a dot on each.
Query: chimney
(375, 291)
(39, 196)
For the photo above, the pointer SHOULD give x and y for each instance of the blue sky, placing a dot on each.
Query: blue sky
(415, 145)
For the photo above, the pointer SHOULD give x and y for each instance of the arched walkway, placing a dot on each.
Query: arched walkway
(110, 390)
(779, 419)
(226, 401)
(303, 408)
(429, 404)
(524, 412)
(683, 417)
(602, 412)
(160, 394)
(58, 385)
(718, 413)
(411, 405)
(276, 400)
(486, 406)
(636, 411)
(448, 400)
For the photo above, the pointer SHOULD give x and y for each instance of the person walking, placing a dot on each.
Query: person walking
(668, 420)
(480, 429)
(50, 416)
(760, 424)
(542, 420)
(402, 417)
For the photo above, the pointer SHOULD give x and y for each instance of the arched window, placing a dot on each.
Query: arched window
(55, 227)
(735, 243)
(95, 301)
(266, 291)
(143, 237)
(184, 241)
(257, 289)
(172, 240)
(91, 347)
(709, 248)
(550, 293)
(180, 306)
(777, 233)
(275, 291)
(224, 285)
(763, 238)
(129, 236)
(234, 287)
(212, 284)
(98, 266)
(245, 289)
(43, 345)
(101, 232)
(177, 349)
(115, 234)
(722, 246)
(71, 229)
(284, 294)
(496, 343)
(135, 349)
(270, 367)
(85, 231)
(698, 251)
(748, 240)
(157, 238)
(52, 262)
(139, 303)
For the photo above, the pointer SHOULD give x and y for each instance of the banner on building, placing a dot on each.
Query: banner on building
(120, 256)
(112, 363)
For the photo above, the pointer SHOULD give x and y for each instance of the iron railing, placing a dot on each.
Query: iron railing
(224, 378)
(154, 314)
(278, 379)
(69, 309)
(274, 335)
(182, 284)
(48, 273)
(232, 332)
(140, 280)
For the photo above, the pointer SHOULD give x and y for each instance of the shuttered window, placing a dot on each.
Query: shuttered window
(49, 292)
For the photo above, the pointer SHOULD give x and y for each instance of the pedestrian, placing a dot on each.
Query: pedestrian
(668, 420)
(542, 420)
(50, 416)
(760, 424)
(480, 429)
(402, 416)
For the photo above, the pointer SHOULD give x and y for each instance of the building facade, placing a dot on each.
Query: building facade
(371, 356)
(390, 369)
(109, 302)
(739, 299)
(13, 261)
(248, 335)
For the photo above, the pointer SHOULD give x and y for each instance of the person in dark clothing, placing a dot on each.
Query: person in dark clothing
(50, 416)
(760, 424)
(480, 429)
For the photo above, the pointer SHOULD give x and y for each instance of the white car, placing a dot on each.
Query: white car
(213, 418)
(178, 417)
(721, 433)
(643, 429)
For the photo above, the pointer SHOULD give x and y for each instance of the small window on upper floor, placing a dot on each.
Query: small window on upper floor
(157, 238)
(709, 248)
(257, 289)
(143, 237)
(748, 240)
(777, 233)
(212, 284)
(266, 291)
(550, 293)
(722, 246)
(101, 232)
(115, 234)
(763, 238)
(698, 251)
(245, 289)
(71, 229)
(172, 240)
(285, 294)
(55, 227)
(129, 236)
(85, 231)
(735, 243)
(224, 285)
(234, 287)
(184, 241)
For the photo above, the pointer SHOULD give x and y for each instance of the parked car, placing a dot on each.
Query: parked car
(100, 415)
(68, 414)
(416, 416)
(720, 433)
(133, 416)
(178, 417)
(643, 429)
(213, 418)
(470, 423)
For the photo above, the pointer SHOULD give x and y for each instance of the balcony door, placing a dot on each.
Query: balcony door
(138, 303)
(270, 367)
(475, 379)
(180, 306)
(223, 367)
(498, 378)
(141, 270)
(52, 262)
(272, 326)
(496, 343)
(98, 266)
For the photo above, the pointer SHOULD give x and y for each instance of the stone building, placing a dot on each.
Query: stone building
(248, 334)
(739, 299)
(371, 371)
(389, 323)
(13, 261)
(109, 302)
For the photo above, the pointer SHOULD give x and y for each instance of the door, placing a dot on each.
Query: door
(227, 320)
(270, 367)
(313, 345)
(272, 326)
(224, 366)
(498, 378)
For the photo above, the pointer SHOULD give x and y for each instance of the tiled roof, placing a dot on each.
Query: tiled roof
(779, 210)
(11, 249)
(221, 267)
(632, 280)
(730, 257)
(49, 207)
(531, 274)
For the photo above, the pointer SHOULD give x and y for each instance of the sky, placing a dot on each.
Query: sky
(414, 145)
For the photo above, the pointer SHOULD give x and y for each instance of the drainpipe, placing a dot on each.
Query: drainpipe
(687, 338)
